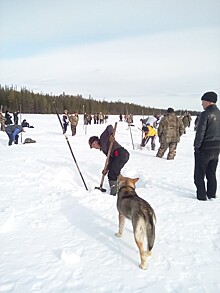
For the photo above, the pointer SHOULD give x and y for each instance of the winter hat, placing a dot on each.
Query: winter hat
(170, 110)
(210, 97)
(92, 139)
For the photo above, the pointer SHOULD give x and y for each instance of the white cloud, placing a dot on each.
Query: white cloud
(157, 66)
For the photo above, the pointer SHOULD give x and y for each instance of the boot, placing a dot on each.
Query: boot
(113, 187)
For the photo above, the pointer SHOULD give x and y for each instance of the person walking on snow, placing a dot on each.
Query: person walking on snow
(169, 131)
(118, 157)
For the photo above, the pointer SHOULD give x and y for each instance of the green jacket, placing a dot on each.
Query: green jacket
(170, 128)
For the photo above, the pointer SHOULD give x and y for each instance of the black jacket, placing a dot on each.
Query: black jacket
(208, 130)
(104, 141)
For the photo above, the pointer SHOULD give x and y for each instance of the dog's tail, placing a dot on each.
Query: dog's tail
(151, 231)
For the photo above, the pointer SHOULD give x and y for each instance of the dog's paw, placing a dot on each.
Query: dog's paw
(148, 253)
(118, 234)
(143, 266)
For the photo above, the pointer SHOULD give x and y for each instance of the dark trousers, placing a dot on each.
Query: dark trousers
(65, 127)
(205, 166)
(145, 141)
(11, 138)
(117, 162)
(73, 128)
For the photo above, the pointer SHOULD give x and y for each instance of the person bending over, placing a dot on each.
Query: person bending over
(118, 157)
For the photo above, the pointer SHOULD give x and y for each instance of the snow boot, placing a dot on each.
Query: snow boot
(113, 187)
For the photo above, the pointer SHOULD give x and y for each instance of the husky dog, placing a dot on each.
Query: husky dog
(141, 214)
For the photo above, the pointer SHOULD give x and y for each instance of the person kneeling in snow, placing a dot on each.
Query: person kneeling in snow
(12, 132)
(118, 157)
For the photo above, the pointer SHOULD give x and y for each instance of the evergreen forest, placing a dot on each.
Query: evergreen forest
(27, 101)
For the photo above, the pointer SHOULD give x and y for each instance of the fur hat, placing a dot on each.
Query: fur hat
(170, 110)
(210, 97)
(92, 139)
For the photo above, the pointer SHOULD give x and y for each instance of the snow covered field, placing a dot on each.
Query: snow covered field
(57, 237)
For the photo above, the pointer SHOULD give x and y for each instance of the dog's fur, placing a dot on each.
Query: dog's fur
(141, 214)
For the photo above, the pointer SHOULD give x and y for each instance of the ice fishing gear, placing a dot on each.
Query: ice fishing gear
(69, 145)
(106, 162)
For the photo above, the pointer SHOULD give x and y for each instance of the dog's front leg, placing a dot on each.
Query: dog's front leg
(121, 225)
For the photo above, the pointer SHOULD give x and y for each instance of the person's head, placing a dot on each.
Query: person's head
(94, 142)
(65, 112)
(170, 110)
(209, 98)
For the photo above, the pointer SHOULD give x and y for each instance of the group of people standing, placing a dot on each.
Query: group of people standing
(171, 128)
(73, 119)
(11, 129)
(168, 128)
(98, 118)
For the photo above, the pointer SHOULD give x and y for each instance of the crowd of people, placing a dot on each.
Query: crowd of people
(168, 128)
(12, 128)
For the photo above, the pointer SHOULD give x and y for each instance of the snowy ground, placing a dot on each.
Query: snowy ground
(57, 237)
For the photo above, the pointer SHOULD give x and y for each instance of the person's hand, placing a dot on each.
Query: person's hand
(111, 138)
(104, 172)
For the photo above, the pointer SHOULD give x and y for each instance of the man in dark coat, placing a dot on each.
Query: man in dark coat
(8, 118)
(207, 147)
(15, 114)
(118, 158)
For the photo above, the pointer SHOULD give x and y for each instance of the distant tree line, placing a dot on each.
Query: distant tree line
(27, 101)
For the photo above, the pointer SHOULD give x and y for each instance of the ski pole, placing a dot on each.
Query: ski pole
(131, 137)
(69, 146)
(20, 120)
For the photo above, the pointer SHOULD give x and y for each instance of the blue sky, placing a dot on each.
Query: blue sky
(155, 53)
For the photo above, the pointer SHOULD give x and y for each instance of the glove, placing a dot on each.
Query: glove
(111, 138)
(104, 172)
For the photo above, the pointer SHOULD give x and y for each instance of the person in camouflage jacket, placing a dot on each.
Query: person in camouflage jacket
(169, 131)
(74, 119)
